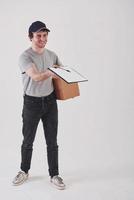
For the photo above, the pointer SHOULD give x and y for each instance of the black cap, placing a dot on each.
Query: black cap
(38, 26)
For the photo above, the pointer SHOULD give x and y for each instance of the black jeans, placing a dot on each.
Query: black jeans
(34, 109)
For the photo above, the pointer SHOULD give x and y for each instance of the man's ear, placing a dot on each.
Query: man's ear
(30, 38)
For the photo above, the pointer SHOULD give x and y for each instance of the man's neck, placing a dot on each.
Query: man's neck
(38, 50)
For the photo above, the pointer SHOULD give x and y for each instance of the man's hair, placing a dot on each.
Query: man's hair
(31, 33)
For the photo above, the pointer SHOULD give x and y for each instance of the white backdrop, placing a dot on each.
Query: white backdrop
(95, 136)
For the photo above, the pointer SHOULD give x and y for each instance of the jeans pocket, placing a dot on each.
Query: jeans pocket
(31, 104)
(52, 101)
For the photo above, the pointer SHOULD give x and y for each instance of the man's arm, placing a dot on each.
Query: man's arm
(57, 66)
(39, 76)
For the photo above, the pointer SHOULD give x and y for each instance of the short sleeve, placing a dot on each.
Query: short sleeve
(25, 62)
(58, 62)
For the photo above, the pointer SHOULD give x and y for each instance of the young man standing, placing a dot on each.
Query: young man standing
(39, 103)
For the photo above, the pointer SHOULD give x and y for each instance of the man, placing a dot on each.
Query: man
(39, 103)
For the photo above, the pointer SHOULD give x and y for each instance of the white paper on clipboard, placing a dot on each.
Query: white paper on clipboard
(68, 74)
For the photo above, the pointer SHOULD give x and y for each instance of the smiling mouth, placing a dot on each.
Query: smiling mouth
(42, 42)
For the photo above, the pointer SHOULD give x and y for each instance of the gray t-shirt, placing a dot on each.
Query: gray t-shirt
(42, 62)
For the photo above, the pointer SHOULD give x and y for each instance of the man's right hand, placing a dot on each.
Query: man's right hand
(50, 73)
(39, 76)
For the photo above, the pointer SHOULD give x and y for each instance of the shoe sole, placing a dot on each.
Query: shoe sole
(20, 183)
(57, 187)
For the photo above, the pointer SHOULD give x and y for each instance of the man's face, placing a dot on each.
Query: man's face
(40, 39)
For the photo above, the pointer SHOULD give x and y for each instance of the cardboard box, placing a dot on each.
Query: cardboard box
(64, 90)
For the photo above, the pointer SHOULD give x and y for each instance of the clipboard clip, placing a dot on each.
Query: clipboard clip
(67, 70)
(58, 66)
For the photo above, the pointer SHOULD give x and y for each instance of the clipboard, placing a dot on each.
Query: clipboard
(68, 74)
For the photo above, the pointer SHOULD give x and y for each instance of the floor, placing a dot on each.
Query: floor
(81, 184)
